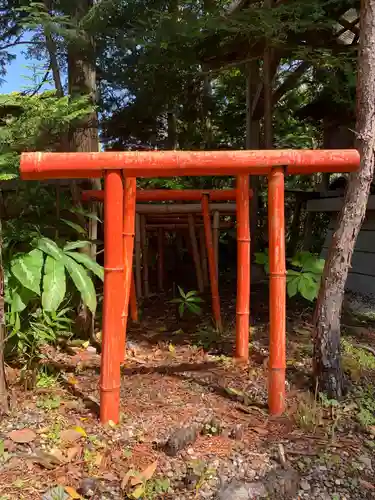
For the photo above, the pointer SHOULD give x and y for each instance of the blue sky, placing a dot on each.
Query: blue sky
(20, 72)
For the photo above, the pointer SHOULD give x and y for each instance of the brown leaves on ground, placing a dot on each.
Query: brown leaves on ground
(22, 436)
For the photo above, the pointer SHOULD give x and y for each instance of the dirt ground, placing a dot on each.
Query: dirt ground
(194, 424)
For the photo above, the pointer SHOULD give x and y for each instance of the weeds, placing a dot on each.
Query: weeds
(356, 360)
(188, 302)
(365, 398)
(46, 380)
(49, 403)
(202, 472)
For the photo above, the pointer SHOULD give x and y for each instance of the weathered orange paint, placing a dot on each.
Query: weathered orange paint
(133, 302)
(170, 195)
(160, 259)
(171, 163)
(276, 230)
(195, 252)
(243, 269)
(183, 225)
(144, 243)
(37, 166)
(178, 209)
(113, 297)
(211, 262)
(128, 248)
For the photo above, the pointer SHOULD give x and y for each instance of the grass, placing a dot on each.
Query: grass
(355, 360)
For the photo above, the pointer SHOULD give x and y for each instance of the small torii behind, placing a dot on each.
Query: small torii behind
(120, 170)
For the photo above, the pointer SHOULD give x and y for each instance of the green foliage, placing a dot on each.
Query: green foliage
(34, 122)
(262, 258)
(188, 302)
(306, 279)
(42, 271)
(46, 380)
(28, 336)
(304, 275)
(356, 361)
(366, 406)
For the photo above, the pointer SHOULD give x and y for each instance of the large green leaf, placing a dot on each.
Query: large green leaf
(88, 262)
(27, 269)
(54, 284)
(82, 281)
(49, 247)
(292, 286)
(314, 265)
(73, 245)
(18, 298)
(76, 227)
(308, 287)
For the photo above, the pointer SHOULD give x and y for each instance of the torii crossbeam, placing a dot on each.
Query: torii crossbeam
(120, 198)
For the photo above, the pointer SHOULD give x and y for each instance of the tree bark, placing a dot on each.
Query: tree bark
(4, 402)
(84, 136)
(327, 362)
(252, 142)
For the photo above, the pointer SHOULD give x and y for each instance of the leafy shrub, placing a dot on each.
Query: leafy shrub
(304, 275)
(42, 272)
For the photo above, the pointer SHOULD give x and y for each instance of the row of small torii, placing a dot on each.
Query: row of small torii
(120, 171)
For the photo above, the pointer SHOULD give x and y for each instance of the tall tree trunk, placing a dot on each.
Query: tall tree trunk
(252, 142)
(84, 136)
(327, 362)
(4, 402)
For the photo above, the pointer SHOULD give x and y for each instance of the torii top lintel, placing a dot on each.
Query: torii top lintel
(38, 166)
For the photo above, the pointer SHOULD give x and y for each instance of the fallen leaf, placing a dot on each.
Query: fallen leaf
(172, 348)
(71, 453)
(109, 476)
(138, 492)
(81, 430)
(136, 479)
(98, 459)
(70, 435)
(259, 430)
(126, 478)
(149, 471)
(57, 492)
(57, 454)
(22, 436)
(366, 484)
(46, 460)
(111, 423)
(74, 495)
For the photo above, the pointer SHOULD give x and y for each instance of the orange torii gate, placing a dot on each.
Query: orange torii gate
(119, 200)
(203, 195)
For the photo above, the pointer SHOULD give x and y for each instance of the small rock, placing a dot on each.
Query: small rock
(257, 490)
(338, 482)
(365, 460)
(282, 483)
(305, 485)
(237, 433)
(88, 487)
(238, 490)
(179, 439)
